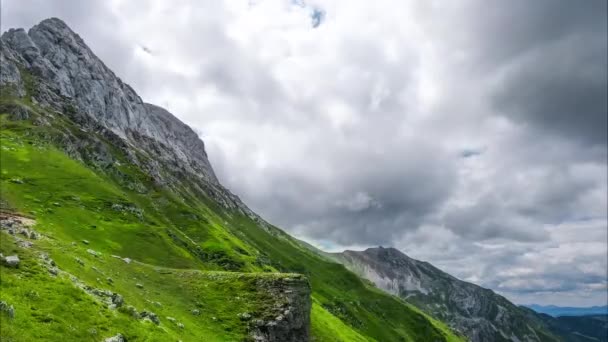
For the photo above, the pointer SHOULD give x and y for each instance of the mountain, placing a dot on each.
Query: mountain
(579, 328)
(114, 226)
(478, 313)
(556, 311)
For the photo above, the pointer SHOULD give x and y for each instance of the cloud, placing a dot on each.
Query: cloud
(359, 202)
(568, 268)
(468, 134)
(559, 89)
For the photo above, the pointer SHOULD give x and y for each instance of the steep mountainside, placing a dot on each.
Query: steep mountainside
(114, 226)
(479, 313)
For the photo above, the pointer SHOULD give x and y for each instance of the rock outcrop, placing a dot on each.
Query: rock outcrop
(288, 320)
(53, 67)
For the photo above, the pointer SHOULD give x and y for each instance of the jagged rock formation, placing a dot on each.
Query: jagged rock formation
(57, 55)
(289, 319)
(479, 313)
(63, 74)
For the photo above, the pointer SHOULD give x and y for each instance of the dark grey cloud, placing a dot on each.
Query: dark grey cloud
(517, 206)
(362, 198)
(468, 134)
(566, 269)
(508, 30)
(487, 220)
(470, 152)
(560, 89)
(551, 57)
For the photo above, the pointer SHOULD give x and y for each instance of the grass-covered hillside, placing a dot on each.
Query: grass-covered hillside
(113, 252)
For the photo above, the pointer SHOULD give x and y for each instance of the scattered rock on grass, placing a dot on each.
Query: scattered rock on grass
(93, 253)
(12, 261)
(117, 300)
(30, 234)
(9, 309)
(151, 316)
(196, 312)
(47, 260)
(23, 243)
(127, 260)
(116, 338)
(244, 316)
(130, 309)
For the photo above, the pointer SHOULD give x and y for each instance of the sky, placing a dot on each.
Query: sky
(471, 134)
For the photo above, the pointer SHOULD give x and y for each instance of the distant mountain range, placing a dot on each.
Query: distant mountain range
(579, 328)
(479, 314)
(557, 311)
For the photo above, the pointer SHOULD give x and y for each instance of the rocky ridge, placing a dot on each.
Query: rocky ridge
(51, 66)
(57, 55)
(479, 313)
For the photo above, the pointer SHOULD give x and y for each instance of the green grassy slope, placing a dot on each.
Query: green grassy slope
(181, 240)
(52, 308)
(370, 311)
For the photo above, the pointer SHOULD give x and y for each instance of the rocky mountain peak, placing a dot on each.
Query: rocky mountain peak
(58, 32)
(54, 24)
(385, 251)
(69, 72)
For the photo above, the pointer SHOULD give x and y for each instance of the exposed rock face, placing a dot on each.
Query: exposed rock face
(290, 315)
(479, 313)
(53, 52)
(7, 308)
(116, 338)
(54, 67)
(12, 260)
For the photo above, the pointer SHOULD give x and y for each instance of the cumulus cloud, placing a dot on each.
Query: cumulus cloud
(469, 134)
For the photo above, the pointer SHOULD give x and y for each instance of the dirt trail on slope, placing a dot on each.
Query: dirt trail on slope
(14, 217)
